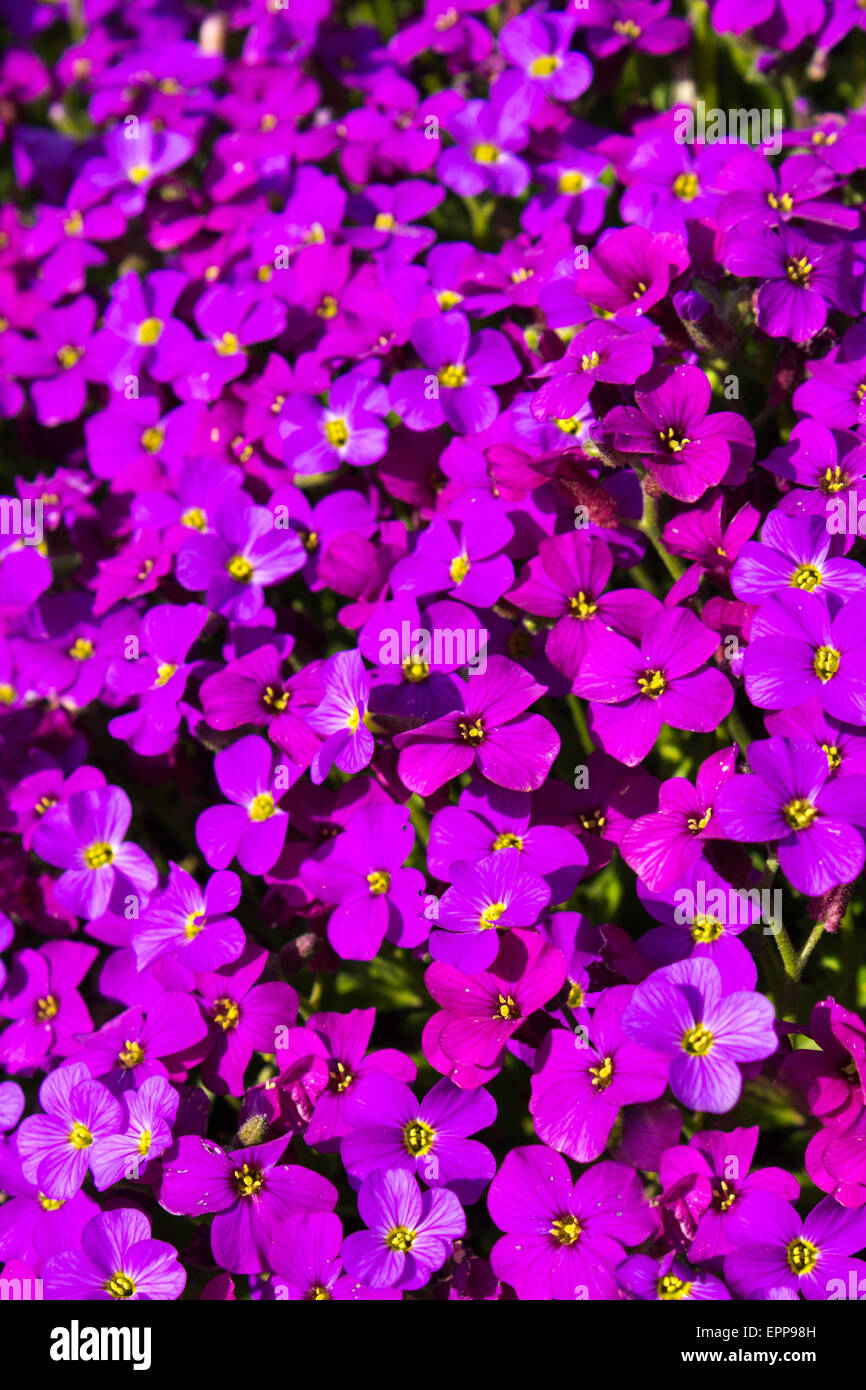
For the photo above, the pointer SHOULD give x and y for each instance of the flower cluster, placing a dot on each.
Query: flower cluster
(432, 662)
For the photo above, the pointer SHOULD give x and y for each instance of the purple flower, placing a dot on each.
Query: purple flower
(800, 650)
(57, 1147)
(191, 924)
(795, 552)
(254, 826)
(682, 1012)
(602, 352)
(429, 1138)
(135, 157)
(488, 820)
(685, 449)
(409, 1235)
(564, 1239)
(485, 898)
(360, 871)
(350, 429)
(801, 278)
(84, 836)
(712, 1171)
(480, 1013)
(308, 1267)
(634, 690)
(663, 846)
(244, 1018)
(462, 370)
(248, 552)
(145, 1133)
(668, 1280)
(491, 732)
(808, 1257)
(489, 135)
(253, 689)
(461, 557)
(131, 1047)
(340, 716)
(118, 1260)
(47, 1011)
(584, 1078)
(252, 1194)
(791, 800)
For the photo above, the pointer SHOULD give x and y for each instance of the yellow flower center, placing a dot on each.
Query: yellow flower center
(226, 1013)
(471, 733)
(453, 375)
(46, 1007)
(798, 270)
(697, 1041)
(98, 855)
(834, 756)
(485, 154)
(673, 444)
(508, 1008)
(400, 1238)
(593, 822)
(566, 1230)
(671, 1289)
(153, 439)
(695, 824)
(415, 670)
(262, 807)
(73, 225)
(459, 568)
(582, 607)
(826, 663)
(248, 1181)
(131, 1056)
(385, 221)
(508, 840)
(68, 355)
(240, 569)
(602, 1076)
(81, 649)
(627, 28)
(802, 1256)
(328, 307)
(80, 1136)
(418, 1138)
(491, 915)
(706, 929)
(652, 684)
(544, 66)
(164, 673)
(50, 1203)
(193, 925)
(570, 181)
(120, 1286)
(800, 813)
(144, 1140)
(379, 882)
(336, 433)
(228, 345)
(138, 173)
(806, 577)
(575, 996)
(149, 332)
(784, 202)
(685, 187)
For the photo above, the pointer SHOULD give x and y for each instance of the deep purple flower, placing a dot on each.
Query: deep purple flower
(118, 1260)
(85, 837)
(408, 1235)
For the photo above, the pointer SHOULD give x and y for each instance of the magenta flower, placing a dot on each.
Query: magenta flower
(564, 1239)
(634, 690)
(492, 732)
(118, 1260)
(461, 371)
(57, 1146)
(85, 837)
(251, 1193)
(254, 826)
(408, 1236)
(682, 1013)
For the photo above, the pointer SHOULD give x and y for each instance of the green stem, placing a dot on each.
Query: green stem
(649, 524)
(811, 942)
(578, 718)
(737, 729)
(419, 819)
